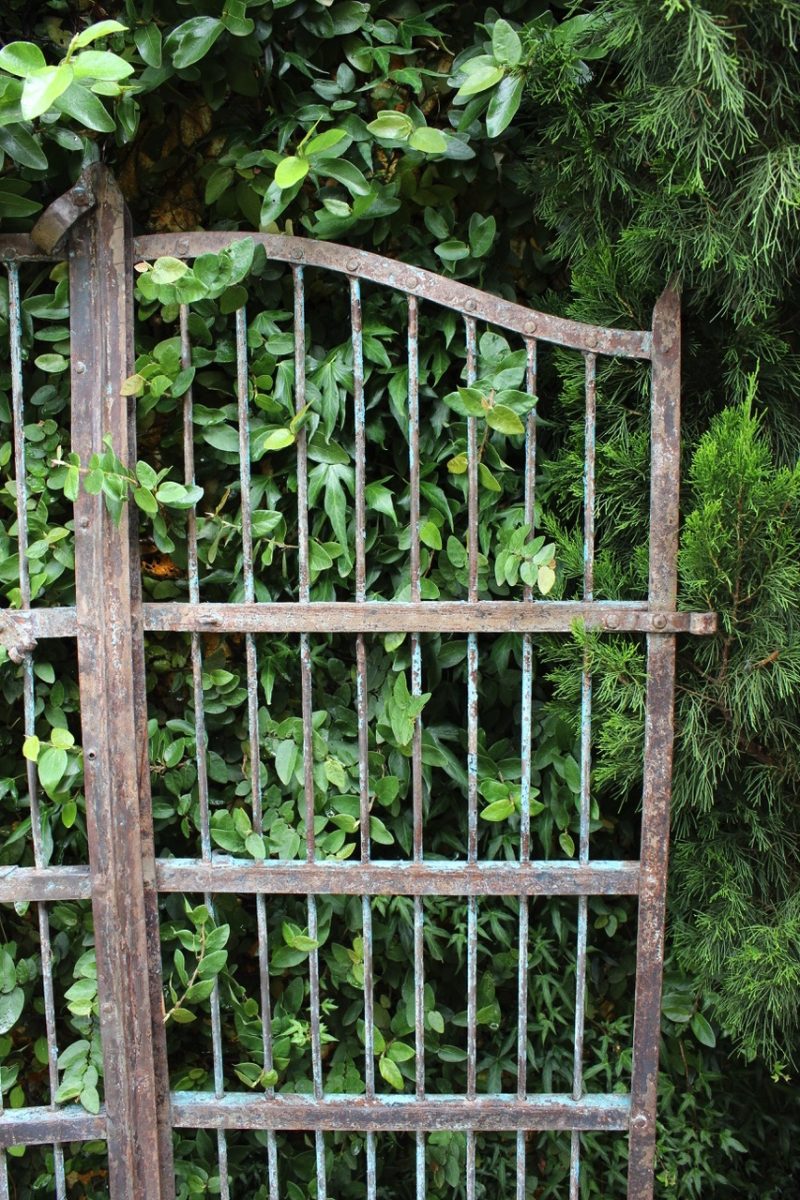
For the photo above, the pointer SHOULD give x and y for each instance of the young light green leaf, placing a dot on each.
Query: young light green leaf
(504, 420)
(428, 141)
(468, 402)
(498, 810)
(482, 73)
(100, 30)
(545, 578)
(391, 125)
(42, 88)
(62, 739)
(430, 535)
(506, 44)
(30, 748)
(101, 64)
(458, 464)
(390, 1072)
(21, 59)
(290, 171)
(51, 764)
(324, 141)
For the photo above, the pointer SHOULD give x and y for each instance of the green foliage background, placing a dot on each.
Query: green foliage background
(583, 160)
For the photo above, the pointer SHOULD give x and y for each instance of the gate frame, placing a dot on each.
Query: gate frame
(109, 619)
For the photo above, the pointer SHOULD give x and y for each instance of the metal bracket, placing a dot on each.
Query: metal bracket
(50, 231)
(16, 635)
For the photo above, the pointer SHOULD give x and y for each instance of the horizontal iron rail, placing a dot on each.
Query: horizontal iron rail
(379, 616)
(40, 1125)
(499, 1112)
(413, 280)
(203, 1110)
(401, 276)
(224, 874)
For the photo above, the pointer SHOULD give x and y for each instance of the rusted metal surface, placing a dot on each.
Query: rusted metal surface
(19, 649)
(499, 1113)
(50, 232)
(115, 767)
(124, 879)
(401, 277)
(659, 734)
(37, 1126)
(386, 878)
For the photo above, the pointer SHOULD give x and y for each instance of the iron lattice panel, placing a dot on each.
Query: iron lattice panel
(124, 878)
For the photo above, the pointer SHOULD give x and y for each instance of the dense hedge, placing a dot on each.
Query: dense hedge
(576, 160)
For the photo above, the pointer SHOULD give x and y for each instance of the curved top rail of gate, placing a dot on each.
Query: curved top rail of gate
(403, 277)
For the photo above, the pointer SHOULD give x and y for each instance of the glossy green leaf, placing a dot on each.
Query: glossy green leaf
(78, 102)
(504, 104)
(290, 171)
(192, 40)
(506, 44)
(42, 88)
(21, 59)
(99, 30)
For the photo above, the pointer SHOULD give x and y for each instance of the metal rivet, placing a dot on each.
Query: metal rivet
(610, 622)
(659, 621)
(471, 305)
(11, 253)
(80, 197)
(352, 264)
(91, 754)
(640, 1121)
(183, 246)
(209, 619)
(530, 327)
(80, 368)
(84, 522)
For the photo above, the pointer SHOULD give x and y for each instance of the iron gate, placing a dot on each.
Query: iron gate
(124, 878)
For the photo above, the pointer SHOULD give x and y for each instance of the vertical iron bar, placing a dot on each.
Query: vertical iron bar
(362, 704)
(526, 723)
(251, 659)
(29, 704)
(416, 744)
(586, 750)
(307, 709)
(659, 732)
(472, 750)
(115, 764)
(201, 738)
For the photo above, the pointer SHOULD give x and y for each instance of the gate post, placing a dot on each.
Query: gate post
(658, 740)
(116, 768)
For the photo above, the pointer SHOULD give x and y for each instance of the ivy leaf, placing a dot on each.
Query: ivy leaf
(291, 170)
(430, 535)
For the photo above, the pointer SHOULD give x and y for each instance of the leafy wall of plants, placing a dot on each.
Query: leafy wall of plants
(574, 158)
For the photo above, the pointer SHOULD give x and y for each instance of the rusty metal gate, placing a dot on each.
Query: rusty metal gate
(124, 878)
